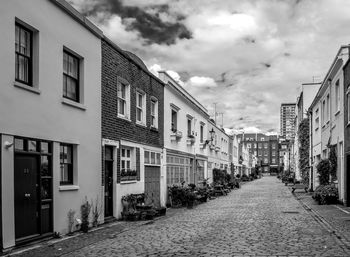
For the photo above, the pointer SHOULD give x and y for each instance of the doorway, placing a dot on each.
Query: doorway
(108, 181)
(152, 185)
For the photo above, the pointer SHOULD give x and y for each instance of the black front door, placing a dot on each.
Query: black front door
(26, 196)
(108, 181)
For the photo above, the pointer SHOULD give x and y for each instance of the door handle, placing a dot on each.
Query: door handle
(26, 195)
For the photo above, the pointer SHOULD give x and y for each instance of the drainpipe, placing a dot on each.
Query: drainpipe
(311, 175)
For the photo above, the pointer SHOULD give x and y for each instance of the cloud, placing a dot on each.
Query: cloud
(155, 23)
(257, 52)
(197, 81)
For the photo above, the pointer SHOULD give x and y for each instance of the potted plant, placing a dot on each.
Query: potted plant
(85, 212)
(190, 198)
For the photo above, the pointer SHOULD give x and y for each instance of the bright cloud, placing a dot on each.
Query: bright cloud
(246, 56)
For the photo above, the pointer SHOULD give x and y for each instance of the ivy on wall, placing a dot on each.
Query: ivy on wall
(333, 162)
(303, 136)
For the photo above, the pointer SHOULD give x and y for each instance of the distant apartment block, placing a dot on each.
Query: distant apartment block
(287, 126)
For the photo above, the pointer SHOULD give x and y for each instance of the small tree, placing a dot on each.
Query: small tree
(323, 169)
(85, 212)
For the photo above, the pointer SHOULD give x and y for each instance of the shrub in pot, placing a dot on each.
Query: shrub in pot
(190, 198)
(326, 194)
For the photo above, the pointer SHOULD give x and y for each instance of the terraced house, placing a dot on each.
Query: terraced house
(185, 135)
(50, 109)
(132, 129)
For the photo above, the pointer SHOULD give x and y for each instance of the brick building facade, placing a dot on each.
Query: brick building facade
(132, 128)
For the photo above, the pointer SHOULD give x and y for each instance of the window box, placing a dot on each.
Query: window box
(212, 147)
(191, 140)
(176, 135)
(217, 149)
(128, 174)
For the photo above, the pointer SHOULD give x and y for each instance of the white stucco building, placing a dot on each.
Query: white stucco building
(50, 109)
(185, 135)
(327, 120)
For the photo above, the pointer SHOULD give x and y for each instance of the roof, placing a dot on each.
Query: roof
(133, 58)
(318, 96)
(71, 11)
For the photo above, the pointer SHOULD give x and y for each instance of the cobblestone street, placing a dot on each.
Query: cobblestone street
(262, 218)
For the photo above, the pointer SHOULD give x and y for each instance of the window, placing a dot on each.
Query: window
(265, 145)
(249, 145)
(260, 145)
(66, 164)
(323, 111)
(152, 158)
(273, 153)
(265, 160)
(128, 169)
(179, 169)
(317, 123)
(173, 120)
(328, 108)
(273, 146)
(337, 96)
(24, 59)
(70, 76)
(262, 139)
(189, 127)
(201, 133)
(273, 160)
(140, 108)
(154, 113)
(265, 153)
(254, 145)
(123, 96)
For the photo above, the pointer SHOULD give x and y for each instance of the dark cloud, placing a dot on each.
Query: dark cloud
(146, 20)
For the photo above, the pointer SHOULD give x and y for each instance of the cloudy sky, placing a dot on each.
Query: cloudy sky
(248, 56)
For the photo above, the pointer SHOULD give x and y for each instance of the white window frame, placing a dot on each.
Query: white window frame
(148, 158)
(154, 114)
(125, 159)
(125, 100)
(328, 107)
(337, 97)
(323, 106)
(141, 107)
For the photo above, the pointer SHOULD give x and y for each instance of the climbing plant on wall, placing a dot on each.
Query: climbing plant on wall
(303, 136)
(333, 162)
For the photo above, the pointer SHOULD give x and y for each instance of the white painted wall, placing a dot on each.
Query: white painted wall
(44, 116)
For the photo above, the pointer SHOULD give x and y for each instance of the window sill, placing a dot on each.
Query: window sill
(141, 124)
(73, 104)
(123, 118)
(69, 188)
(128, 182)
(26, 87)
(154, 129)
(335, 114)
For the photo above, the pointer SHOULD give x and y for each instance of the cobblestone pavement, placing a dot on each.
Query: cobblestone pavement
(262, 218)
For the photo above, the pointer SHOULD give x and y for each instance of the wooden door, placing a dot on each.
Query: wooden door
(26, 196)
(152, 185)
(108, 181)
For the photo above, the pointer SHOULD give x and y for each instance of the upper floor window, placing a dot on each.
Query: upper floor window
(127, 164)
(337, 96)
(66, 164)
(189, 127)
(123, 99)
(154, 112)
(24, 56)
(70, 76)
(140, 108)
(201, 133)
(273, 146)
(262, 139)
(323, 111)
(328, 108)
(173, 120)
(265, 145)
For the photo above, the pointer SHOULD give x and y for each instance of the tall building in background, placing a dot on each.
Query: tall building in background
(287, 127)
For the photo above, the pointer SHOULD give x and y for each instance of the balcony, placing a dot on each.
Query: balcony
(175, 135)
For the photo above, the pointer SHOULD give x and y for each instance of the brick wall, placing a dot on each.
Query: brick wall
(114, 65)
